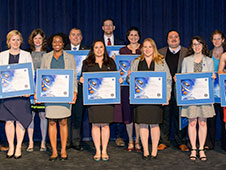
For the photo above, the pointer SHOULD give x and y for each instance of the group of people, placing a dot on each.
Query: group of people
(19, 113)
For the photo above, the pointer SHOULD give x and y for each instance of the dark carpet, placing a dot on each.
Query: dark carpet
(120, 158)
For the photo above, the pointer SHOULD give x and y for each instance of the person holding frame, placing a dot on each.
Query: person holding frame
(15, 109)
(59, 112)
(99, 115)
(38, 43)
(150, 114)
(217, 39)
(198, 60)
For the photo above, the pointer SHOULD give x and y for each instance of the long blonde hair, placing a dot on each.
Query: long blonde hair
(158, 58)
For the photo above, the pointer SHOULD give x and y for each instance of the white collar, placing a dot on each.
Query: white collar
(175, 51)
(77, 47)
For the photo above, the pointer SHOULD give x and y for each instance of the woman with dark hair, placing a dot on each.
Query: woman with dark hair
(16, 109)
(59, 112)
(198, 60)
(37, 42)
(217, 38)
(124, 109)
(150, 115)
(99, 115)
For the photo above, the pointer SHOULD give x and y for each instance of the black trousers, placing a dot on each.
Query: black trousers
(75, 122)
(211, 128)
(171, 111)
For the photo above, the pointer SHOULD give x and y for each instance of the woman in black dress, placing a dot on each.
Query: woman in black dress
(150, 114)
(99, 115)
(16, 109)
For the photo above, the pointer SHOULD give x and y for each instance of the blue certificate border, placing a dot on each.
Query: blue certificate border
(119, 58)
(222, 78)
(77, 56)
(217, 99)
(113, 48)
(183, 122)
(41, 99)
(180, 77)
(148, 74)
(22, 92)
(89, 75)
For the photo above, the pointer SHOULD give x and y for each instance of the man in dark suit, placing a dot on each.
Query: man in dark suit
(174, 55)
(75, 124)
(109, 39)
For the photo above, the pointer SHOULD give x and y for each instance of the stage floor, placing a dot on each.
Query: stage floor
(120, 158)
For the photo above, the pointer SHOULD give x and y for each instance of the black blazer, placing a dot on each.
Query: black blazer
(81, 47)
(117, 41)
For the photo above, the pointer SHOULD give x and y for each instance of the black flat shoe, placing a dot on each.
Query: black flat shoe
(52, 159)
(63, 158)
(145, 157)
(17, 157)
(9, 156)
(154, 157)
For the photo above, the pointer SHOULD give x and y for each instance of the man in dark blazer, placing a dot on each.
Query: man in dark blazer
(109, 39)
(174, 55)
(75, 124)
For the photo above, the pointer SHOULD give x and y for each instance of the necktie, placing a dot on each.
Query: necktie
(109, 41)
(74, 49)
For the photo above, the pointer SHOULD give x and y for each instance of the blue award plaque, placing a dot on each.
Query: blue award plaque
(54, 86)
(148, 87)
(113, 50)
(123, 63)
(222, 81)
(101, 88)
(183, 122)
(16, 80)
(216, 90)
(79, 56)
(194, 89)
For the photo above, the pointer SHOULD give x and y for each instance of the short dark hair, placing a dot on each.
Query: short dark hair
(217, 32)
(75, 28)
(172, 30)
(62, 35)
(113, 22)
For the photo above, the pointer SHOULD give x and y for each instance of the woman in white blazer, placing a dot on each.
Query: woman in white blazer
(16, 108)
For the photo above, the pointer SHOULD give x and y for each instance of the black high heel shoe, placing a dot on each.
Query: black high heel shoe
(203, 158)
(192, 157)
(52, 158)
(17, 157)
(147, 157)
(9, 156)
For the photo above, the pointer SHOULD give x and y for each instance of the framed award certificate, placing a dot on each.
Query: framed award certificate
(16, 80)
(123, 63)
(79, 56)
(54, 86)
(148, 87)
(194, 89)
(222, 82)
(183, 122)
(216, 91)
(113, 50)
(101, 88)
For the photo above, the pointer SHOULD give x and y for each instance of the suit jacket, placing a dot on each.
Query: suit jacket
(183, 53)
(159, 67)
(69, 63)
(117, 41)
(25, 57)
(188, 64)
(81, 47)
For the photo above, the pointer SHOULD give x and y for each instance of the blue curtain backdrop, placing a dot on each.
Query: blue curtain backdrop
(153, 17)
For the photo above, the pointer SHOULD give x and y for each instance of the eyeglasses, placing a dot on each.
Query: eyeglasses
(196, 44)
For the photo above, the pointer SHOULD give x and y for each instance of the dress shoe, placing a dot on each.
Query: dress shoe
(3, 148)
(105, 157)
(145, 157)
(43, 149)
(63, 158)
(119, 142)
(77, 147)
(52, 159)
(137, 147)
(183, 148)
(17, 157)
(130, 147)
(30, 149)
(9, 156)
(161, 147)
(154, 157)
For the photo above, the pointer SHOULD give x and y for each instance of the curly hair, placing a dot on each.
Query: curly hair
(33, 34)
(205, 50)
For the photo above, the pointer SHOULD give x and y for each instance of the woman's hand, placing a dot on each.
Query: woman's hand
(167, 102)
(74, 98)
(113, 57)
(35, 98)
(27, 95)
(129, 72)
(120, 80)
(214, 76)
(81, 80)
(175, 79)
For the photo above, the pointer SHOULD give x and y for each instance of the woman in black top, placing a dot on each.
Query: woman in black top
(99, 115)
